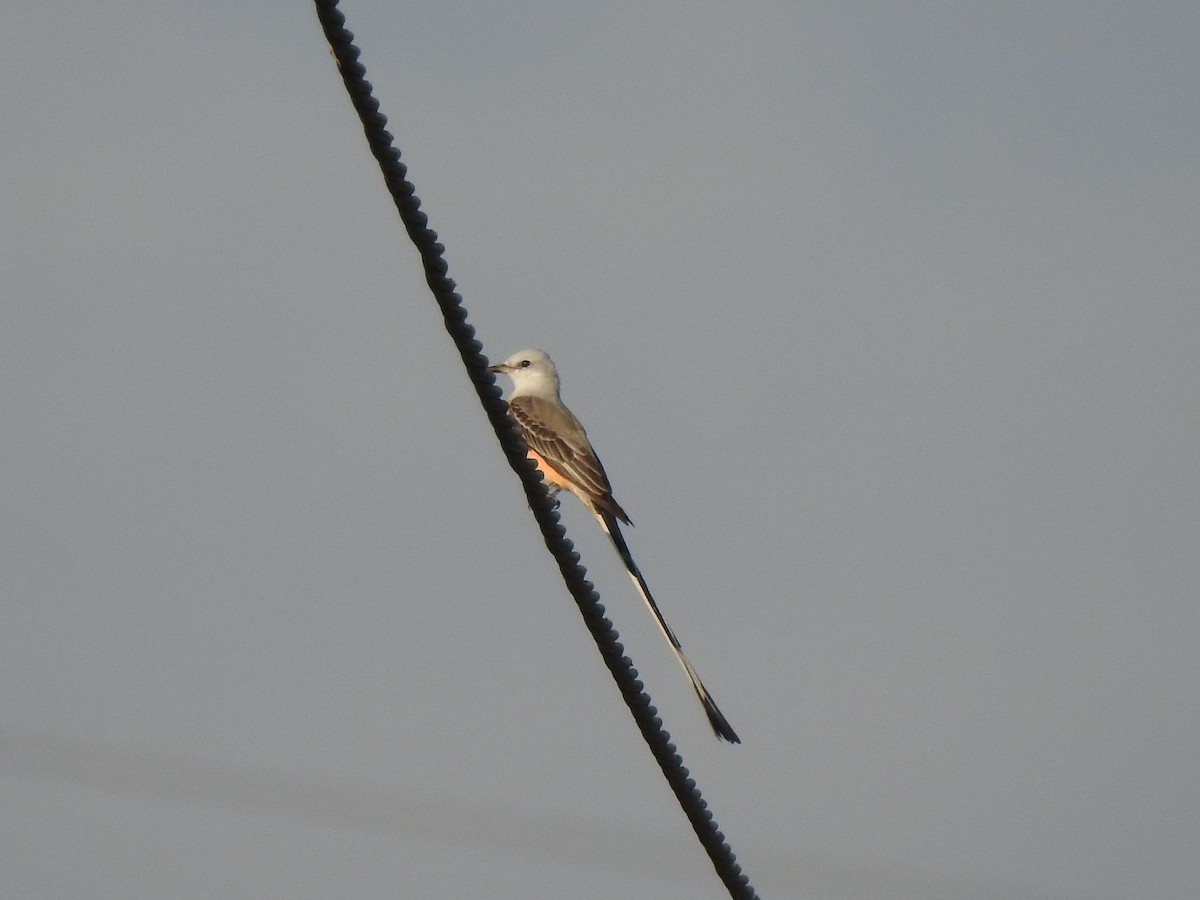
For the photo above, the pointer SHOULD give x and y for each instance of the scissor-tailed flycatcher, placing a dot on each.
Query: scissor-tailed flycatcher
(559, 447)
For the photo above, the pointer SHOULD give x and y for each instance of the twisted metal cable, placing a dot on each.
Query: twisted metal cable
(395, 175)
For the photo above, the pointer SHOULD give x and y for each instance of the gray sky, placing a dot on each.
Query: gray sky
(883, 318)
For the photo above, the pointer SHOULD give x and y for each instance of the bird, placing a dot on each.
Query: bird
(559, 447)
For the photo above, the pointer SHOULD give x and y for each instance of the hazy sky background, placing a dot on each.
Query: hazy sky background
(883, 317)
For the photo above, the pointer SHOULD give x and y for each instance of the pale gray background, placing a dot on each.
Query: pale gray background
(883, 317)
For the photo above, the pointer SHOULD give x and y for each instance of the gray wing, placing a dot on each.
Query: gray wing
(555, 434)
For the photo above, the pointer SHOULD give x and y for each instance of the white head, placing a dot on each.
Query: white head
(532, 373)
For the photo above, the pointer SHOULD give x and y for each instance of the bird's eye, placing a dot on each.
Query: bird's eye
(525, 363)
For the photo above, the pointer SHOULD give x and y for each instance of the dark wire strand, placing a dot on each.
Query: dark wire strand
(395, 175)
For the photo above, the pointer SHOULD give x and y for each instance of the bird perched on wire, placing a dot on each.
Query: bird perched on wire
(560, 449)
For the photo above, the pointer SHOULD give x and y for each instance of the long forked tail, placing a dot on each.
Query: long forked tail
(720, 725)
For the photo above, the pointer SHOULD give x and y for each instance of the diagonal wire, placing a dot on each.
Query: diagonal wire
(395, 175)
